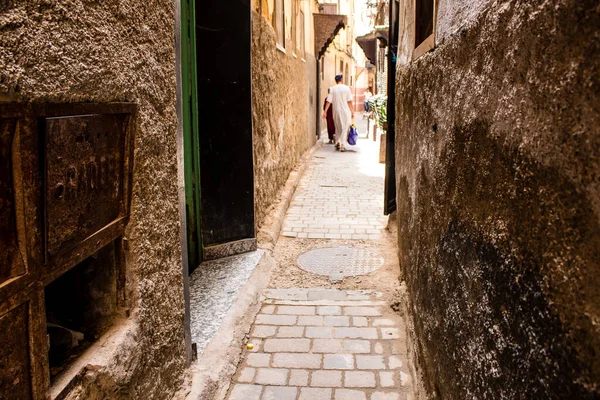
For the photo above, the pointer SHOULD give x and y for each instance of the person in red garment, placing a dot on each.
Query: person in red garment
(330, 123)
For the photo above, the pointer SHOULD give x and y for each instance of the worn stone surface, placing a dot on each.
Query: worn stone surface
(82, 51)
(214, 287)
(340, 195)
(498, 178)
(323, 365)
(283, 114)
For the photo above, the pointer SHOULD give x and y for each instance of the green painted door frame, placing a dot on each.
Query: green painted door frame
(191, 148)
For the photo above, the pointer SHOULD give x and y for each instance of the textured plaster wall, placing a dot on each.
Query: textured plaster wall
(91, 51)
(498, 174)
(454, 14)
(283, 114)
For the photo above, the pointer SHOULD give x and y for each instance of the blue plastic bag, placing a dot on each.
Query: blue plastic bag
(352, 135)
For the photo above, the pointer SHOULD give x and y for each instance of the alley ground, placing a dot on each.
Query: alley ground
(331, 333)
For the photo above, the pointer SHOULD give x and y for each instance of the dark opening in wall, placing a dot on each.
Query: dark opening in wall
(424, 15)
(80, 306)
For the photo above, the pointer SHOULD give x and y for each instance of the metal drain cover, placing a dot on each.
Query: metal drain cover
(340, 262)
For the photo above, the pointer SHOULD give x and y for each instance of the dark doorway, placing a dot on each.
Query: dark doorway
(217, 93)
(223, 49)
(390, 137)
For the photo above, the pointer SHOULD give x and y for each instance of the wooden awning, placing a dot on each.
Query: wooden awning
(327, 27)
(382, 34)
(368, 43)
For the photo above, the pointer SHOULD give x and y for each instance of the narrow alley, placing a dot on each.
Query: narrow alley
(185, 213)
(326, 328)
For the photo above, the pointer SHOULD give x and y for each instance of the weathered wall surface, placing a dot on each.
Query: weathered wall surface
(89, 51)
(452, 15)
(280, 106)
(498, 173)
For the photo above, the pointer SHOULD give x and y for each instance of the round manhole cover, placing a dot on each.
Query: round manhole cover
(339, 262)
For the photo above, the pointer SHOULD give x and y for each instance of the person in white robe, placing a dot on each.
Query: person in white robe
(340, 100)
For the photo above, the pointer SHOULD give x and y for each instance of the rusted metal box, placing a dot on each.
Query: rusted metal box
(65, 189)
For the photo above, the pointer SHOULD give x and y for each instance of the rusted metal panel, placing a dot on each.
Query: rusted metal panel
(23, 353)
(11, 261)
(85, 170)
(65, 189)
(15, 368)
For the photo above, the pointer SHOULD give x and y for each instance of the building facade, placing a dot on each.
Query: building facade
(284, 93)
(134, 145)
(497, 150)
(89, 203)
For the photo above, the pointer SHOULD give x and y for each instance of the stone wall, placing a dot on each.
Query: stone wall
(498, 176)
(90, 51)
(283, 113)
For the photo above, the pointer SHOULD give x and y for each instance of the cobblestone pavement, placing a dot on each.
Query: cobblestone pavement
(313, 344)
(340, 195)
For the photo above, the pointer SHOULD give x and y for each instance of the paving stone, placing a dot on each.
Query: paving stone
(364, 379)
(326, 379)
(355, 333)
(390, 333)
(267, 319)
(296, 360)
(356, 346)
(247, 375)
(370, 362)
(360, 294)
(348, 394)
(286, 294)
(257, 343)
(338, 361)
(310, 320)
(245, 392)
(362, 311)
(378, 348)
(360, 321)
(296, 310)
(385, 396)
(332, 320)
(327, 295)
(258, 359)
(290, 332)
(279, 393)
(319, 332)
(315, 394)
(386, 379)
(298, 377)
(271, 376)
(264, 331)
(268, 310)
(394, 362)
(329, 310)
(287, 345)
(383, 322)
(326, 346)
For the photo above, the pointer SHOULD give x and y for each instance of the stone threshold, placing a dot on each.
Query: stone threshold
(225, 296)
